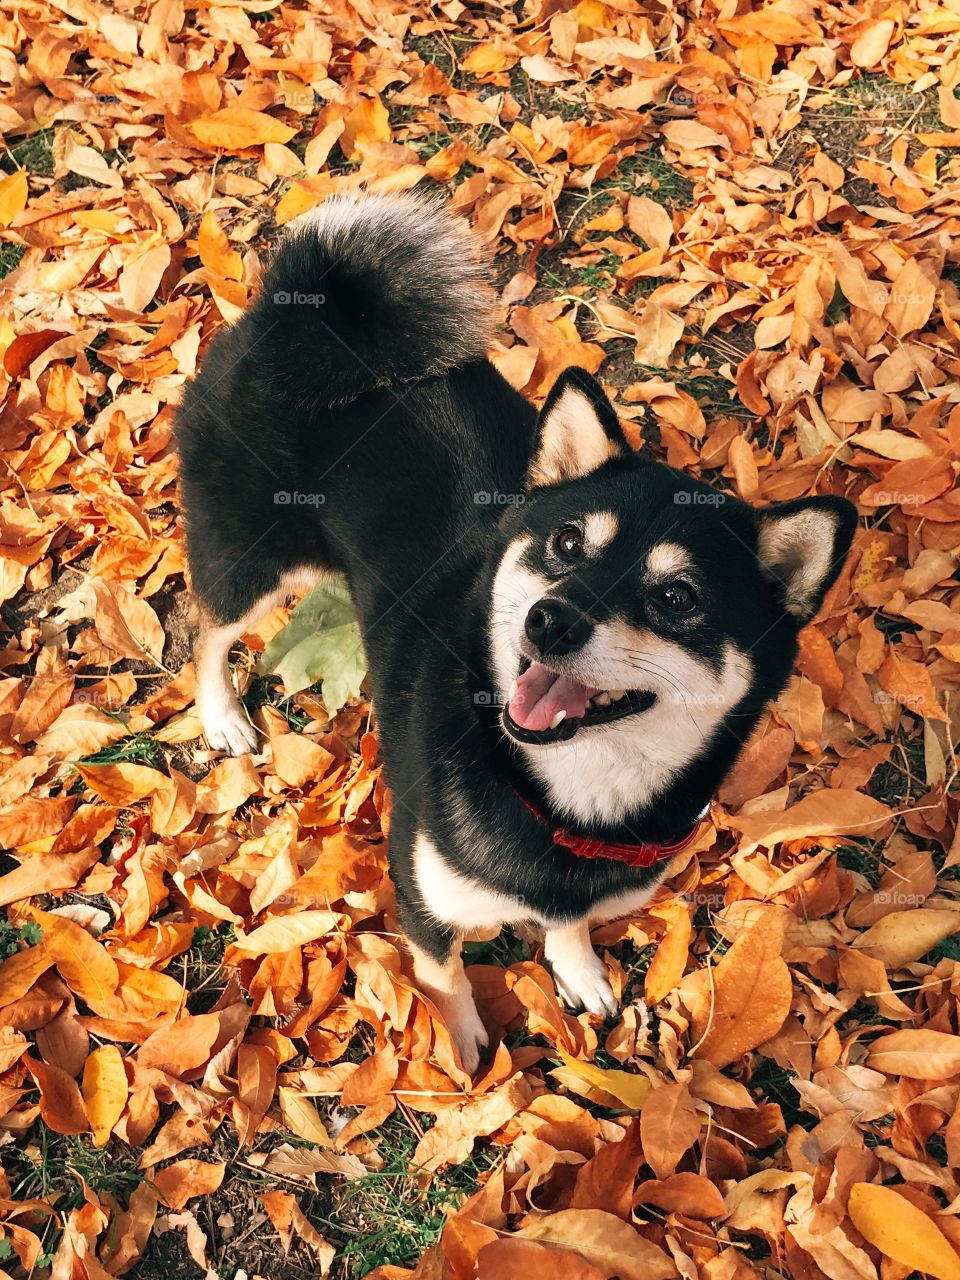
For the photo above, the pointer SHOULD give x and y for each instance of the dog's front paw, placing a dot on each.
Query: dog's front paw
(229, 730)
(470, 1036)
(587, 987)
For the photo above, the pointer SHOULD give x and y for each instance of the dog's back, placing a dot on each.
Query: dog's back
(348, 421)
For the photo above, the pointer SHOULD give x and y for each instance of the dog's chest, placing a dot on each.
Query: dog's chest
(465, 903)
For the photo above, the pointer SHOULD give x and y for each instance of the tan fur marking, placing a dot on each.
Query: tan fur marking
(573, 442)
(599, 529)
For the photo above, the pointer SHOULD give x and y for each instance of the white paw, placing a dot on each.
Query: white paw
(587, 987)
(470, 1036)
(229, 730)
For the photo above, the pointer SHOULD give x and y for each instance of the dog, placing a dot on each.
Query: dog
(567, 643)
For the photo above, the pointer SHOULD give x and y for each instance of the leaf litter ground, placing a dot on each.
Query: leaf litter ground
(745, 219)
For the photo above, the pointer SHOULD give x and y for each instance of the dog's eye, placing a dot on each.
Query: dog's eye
(568, 543)
(679, 597)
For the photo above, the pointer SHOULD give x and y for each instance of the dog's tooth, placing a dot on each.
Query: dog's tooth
(601, 699)
(561, 715)
(617, 694)
(513, 690)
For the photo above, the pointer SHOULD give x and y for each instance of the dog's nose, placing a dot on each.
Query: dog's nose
(553, 626)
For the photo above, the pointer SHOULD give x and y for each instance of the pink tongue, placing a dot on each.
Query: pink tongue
(540, 694)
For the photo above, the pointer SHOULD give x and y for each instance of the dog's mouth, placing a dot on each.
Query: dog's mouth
(546, 707)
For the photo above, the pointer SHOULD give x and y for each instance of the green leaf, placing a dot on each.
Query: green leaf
(320, 642)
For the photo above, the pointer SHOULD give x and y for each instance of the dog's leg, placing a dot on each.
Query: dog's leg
(578, 971)
(226, 726)
(448, 986)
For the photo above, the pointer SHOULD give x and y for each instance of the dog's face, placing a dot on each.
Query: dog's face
(636, 610)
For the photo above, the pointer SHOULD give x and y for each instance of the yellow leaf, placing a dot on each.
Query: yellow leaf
(483, 59)
(13, 196)
(214, 249)
(284, 932)
(301, 1117)
(904, 936)
(369, 121)
(901, 1231)
(104, 1091)
(632, 1090)
(235, 128)
(294, 201)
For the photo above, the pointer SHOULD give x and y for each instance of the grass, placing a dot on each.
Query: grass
(203, 975)
(34, 152)
(870, 103)
(139, 748)
(10, 256)
(863, 860)
(267, 691)
(948, 949)
(51, 1167)
(649, 174)
(12, 938)
(386, 1218)
(876, 98)
(776, 1085)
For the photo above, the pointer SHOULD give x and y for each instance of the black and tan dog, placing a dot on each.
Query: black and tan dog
(567, 644)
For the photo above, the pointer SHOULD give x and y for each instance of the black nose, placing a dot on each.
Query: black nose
(553, 626)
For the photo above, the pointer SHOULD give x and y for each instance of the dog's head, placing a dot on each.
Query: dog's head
(636, 611)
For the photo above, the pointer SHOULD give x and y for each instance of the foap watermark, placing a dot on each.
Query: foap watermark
(284, 498)
(882, 698)
(95, 698)
(486, 498)
(299, 97)
(698, 498)
(284, 299)
(894, 498)
(486, 698)
(104, 99)
(695, 698)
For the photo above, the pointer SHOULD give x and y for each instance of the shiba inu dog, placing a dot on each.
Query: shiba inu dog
(567, 644)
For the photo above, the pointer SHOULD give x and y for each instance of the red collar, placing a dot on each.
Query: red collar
(632, 855)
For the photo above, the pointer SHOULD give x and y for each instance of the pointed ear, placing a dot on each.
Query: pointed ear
(577, 431)
(802, 546)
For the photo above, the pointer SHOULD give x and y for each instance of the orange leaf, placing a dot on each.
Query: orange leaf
(748, 999)
(614, 1247)
(669, 1125)
(180, 1182)
(81, 961)
(214, 249)
(236, 128)
(61, 1105)
(910, 684)
(46, 873)
(369, 121)
(670, 958)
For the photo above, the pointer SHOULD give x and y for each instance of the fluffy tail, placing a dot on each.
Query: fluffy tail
(381, 290)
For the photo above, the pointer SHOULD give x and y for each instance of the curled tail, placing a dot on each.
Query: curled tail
(381, 290)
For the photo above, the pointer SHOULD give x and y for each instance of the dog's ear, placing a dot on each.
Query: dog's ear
(802, 546)
(577, 431)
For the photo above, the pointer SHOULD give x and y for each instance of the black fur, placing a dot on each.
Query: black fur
(402, 460)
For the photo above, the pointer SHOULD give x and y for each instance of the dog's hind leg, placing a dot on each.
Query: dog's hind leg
(226, 725)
